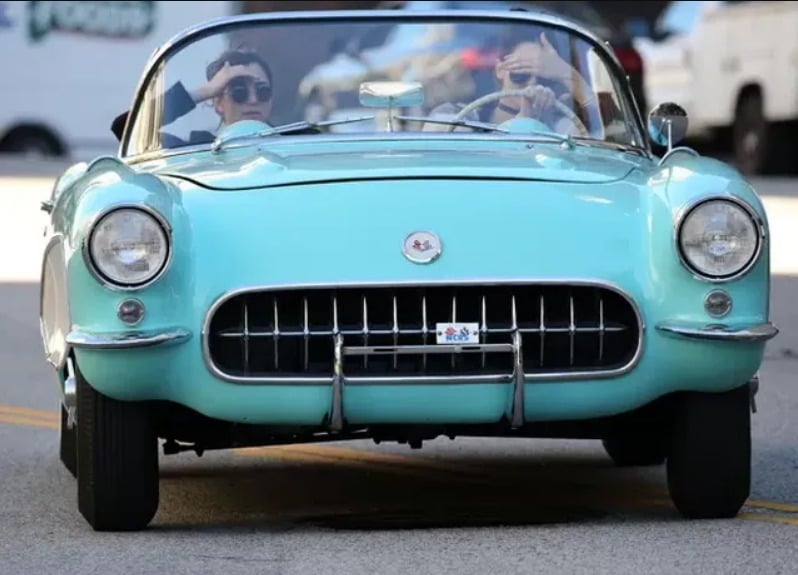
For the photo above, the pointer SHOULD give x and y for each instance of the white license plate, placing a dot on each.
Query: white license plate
(457, 333)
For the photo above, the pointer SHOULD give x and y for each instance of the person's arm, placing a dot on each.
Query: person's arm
(586, 106)
(177, 103)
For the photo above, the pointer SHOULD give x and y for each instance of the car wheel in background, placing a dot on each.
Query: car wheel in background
(31, 141)
(761, 146)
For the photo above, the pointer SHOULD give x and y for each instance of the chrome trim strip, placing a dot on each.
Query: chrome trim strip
(678, 149)
(720, 332)
(337, 411)
(422, 380)
(91, 226)
(226, 23)
(686, 209)
(70, 399)
(127, 339)
(51, 243)
(517, 419)
(416, 349)
(342, 137)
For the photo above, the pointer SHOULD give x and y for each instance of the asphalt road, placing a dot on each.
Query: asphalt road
(463, 506)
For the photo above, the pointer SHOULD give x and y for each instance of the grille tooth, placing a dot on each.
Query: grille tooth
(291, 333)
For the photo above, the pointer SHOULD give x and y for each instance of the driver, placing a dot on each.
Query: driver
(536, 65)
(239, 87)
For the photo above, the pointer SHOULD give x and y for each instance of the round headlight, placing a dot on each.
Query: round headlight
(719, 239)
(128, 247)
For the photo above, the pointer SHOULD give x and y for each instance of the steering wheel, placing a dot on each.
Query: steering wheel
(528, 91)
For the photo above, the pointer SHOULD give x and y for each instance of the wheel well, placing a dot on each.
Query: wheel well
(747, 91)
(35, 130)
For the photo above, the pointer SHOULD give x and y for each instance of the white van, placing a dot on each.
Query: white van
(733, 65)
(70, 67)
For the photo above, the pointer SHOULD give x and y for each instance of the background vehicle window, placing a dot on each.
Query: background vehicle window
(681, 17)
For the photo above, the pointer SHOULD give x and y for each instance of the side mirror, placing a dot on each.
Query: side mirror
(667, 124)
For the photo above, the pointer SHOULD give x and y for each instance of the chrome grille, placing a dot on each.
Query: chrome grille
(389, 332)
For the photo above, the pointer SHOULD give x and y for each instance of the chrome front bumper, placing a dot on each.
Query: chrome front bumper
(127, 339)
(719, 332)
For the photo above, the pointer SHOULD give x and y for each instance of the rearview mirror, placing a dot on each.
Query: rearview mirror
(391, 94)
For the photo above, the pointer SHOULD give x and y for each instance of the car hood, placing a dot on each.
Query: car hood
(353, 231)
(289, 165)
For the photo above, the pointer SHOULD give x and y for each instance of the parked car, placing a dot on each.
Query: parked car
(516, 265)
(725, 62)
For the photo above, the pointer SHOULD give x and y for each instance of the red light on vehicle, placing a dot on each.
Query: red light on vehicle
(475, 59)
(630, 59)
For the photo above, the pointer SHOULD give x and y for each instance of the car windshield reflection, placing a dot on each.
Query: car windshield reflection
(478, 72)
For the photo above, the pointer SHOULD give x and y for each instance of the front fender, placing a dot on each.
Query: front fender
(72, 298)
(678, 183)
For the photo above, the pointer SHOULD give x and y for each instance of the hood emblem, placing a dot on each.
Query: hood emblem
(422, 247)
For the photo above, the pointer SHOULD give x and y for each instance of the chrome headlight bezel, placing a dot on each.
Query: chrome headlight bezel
(97, 272)
(756, 221)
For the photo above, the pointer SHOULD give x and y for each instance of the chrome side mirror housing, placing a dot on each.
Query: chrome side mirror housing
(667, 124)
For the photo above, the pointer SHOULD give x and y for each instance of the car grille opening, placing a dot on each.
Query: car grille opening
(291, 333)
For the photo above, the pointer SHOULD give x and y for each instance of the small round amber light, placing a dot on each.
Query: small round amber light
(718, 303)
(130, 311)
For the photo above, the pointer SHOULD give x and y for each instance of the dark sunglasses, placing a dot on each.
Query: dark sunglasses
(520, 78)
(239, 91)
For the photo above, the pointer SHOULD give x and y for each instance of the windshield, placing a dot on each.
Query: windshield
(270, 72)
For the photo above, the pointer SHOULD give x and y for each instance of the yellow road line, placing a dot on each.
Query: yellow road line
(343, 457)
(29, 421)
(412, 466)
(770, 518)
(641, 495)
(17, 411)
(773, 506)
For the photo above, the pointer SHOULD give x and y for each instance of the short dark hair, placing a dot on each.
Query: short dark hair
(511, 38)
(237, 57)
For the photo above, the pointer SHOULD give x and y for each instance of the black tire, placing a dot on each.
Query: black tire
(636, 449)
(67, 448)
(709, 465)
(118, 477)
(32, 142)
(751, 136)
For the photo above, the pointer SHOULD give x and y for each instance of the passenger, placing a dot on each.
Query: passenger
(239, 85)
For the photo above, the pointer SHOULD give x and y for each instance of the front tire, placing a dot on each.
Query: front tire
(117, 461)
(709, 465)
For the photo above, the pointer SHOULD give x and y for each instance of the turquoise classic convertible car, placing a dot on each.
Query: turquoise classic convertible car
(513, 261)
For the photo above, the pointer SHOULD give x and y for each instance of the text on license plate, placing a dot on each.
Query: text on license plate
(457, 333)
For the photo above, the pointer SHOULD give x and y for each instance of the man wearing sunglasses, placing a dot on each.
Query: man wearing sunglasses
(239, 87)
(534, 63)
